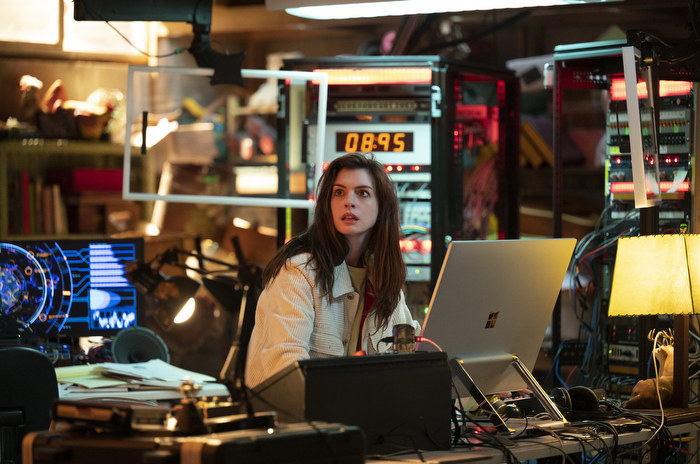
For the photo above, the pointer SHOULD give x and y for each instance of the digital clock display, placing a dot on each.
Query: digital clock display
(397, 142)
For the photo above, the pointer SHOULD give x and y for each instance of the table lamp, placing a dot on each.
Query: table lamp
(236, 294)
(173, 296)
(660, 275)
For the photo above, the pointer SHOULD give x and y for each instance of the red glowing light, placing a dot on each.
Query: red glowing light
(426, 246)
(407, 246)
(666, 89)
(628, 187)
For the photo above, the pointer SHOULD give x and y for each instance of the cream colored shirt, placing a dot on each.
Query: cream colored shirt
(294, 321)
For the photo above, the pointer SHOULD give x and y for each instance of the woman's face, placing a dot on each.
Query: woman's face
(354, 204)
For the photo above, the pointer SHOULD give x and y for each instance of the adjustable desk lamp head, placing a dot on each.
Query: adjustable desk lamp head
(236, 294)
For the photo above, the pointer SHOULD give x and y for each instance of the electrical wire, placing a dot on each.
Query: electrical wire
(594, 450)
(661, 435)
(612, 452)
(556, 370)
(565, 456)
(95, 14)
(596, 245)
(658, 394)
(177, 51)
(423, 339)
(479, 434)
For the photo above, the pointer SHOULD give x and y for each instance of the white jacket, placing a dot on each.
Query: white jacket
(294, 321)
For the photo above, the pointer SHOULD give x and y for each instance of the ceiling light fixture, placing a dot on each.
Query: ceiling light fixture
(346, 9)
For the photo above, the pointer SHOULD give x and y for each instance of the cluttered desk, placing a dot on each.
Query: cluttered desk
(428, 405)
(325, 428)
(622, 440)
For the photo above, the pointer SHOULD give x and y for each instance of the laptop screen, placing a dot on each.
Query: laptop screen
(494, 299)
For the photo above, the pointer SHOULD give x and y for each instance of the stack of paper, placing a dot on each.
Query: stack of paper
(125, 376)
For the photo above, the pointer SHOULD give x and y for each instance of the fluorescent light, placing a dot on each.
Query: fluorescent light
(367, 76)
(341, 9)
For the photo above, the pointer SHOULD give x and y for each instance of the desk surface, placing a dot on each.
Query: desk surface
(535, 447)
(571, 440)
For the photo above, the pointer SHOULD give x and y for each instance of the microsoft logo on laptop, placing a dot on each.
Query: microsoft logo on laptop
(491, 322)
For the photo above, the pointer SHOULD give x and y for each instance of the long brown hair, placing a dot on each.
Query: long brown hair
(328, 248)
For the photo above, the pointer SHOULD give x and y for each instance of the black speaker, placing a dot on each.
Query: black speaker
(139, 344)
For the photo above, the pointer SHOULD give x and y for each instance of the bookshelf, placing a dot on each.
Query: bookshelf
(29, 170)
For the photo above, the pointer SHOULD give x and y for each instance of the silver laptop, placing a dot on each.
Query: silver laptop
(494, 299)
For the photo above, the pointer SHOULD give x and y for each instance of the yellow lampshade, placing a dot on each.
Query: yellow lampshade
(656, 274)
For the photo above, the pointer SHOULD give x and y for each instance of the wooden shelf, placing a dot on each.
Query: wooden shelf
(36, 157)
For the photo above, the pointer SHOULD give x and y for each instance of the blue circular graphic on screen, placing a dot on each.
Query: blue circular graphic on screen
(24, 289)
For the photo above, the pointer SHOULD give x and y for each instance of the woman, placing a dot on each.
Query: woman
(334, 290)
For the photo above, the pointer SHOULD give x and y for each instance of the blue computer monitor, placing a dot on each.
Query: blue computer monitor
(71, 288)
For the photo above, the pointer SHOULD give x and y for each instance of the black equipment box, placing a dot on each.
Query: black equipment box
(401, 401)
(302, 443)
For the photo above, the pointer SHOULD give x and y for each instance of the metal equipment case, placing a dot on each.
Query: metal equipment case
(307, 443)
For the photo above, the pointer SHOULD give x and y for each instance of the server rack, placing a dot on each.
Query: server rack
(431, 122)
(599, 65)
